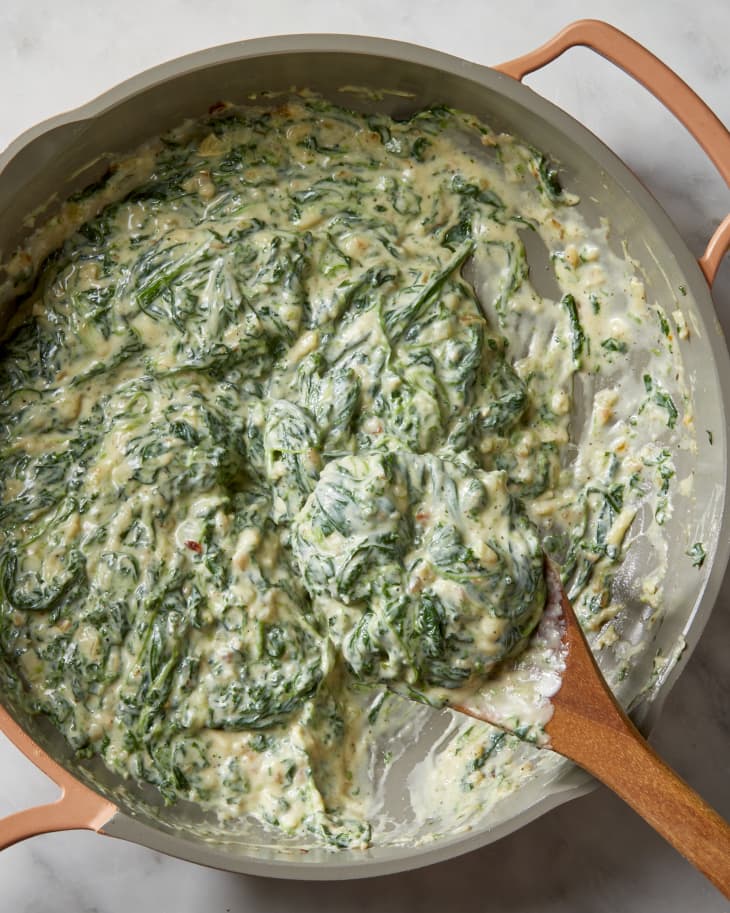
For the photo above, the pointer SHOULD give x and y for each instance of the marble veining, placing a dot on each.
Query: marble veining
(592, 855)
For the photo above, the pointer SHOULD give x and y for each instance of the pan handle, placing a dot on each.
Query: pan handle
(663, 83)
(77, 808)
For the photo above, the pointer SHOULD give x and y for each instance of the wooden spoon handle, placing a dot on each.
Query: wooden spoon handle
(590, 727)
(625, 762)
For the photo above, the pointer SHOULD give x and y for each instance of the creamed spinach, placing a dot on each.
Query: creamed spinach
(287, 422)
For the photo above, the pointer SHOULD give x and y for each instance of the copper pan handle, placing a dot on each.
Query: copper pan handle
(77, 808)
(663, 83)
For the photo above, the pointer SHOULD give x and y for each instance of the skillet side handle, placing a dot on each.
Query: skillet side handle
(663, 83)
(78, 807)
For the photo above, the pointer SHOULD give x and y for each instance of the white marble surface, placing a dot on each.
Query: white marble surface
(593, 855)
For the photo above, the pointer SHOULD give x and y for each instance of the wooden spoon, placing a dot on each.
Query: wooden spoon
(590, 728)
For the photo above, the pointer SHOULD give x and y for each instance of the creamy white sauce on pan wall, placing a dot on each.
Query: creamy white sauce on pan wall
(286, 426)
